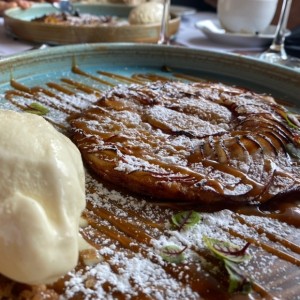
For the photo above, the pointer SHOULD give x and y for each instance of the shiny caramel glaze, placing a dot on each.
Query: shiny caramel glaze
(200, 142)
(131, 225)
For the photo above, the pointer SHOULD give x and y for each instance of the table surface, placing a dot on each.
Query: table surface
(188, 36)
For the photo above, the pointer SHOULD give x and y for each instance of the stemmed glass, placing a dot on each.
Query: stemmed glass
(163, 36)
(276, 52)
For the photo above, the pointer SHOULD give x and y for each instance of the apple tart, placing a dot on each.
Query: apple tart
(198, 142)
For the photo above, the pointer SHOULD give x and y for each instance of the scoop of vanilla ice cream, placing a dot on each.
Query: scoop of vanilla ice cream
(42, 196)
(146, 13)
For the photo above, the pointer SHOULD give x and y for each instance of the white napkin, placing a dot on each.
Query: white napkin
(10, 45)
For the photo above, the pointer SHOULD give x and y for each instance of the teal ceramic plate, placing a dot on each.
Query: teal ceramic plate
(18, 23)
(40, 66)
(99, 66)
(65, 79)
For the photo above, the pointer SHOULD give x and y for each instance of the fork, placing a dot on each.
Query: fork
(65, 6)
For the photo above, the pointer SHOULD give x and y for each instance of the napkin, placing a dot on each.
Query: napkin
(10, 45)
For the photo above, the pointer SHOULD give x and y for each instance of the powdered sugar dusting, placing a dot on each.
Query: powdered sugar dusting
(129, 232)
(183, 142)
(138, 268)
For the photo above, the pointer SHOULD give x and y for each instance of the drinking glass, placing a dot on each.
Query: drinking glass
(163, 36)
(276, 53)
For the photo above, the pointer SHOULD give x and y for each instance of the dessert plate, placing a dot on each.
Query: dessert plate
(17, 22)
(213, 30)
(131, 232)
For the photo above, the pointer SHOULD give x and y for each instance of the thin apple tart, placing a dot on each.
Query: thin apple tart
(191, 142)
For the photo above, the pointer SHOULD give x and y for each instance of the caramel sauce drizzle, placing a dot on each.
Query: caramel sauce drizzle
(60, 88)
(82, 87)
(77, 70)
(147, 222)
(129, 236)
(149, 77)
(119, 77)
(266, 247)
(126, 227)
(132, 232)
(198, 281)
(37, 91)
(129, 229)
(272, 237)
(10, 96)
(19, 86)
(33, 94)
(188, 77)
(90, 282)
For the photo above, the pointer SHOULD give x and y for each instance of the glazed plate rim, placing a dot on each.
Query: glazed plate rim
(219, 65)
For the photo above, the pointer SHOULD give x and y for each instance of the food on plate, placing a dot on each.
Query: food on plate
(84, 19)
(165, 250)
(146, 13)
(42, 196)
(201, 142)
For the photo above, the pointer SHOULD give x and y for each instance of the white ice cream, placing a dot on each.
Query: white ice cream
(42, 195)
(146, 13)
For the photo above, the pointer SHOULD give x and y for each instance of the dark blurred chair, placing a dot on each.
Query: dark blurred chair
(292, 42)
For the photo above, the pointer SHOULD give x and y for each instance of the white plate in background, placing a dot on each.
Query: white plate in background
(213, 30)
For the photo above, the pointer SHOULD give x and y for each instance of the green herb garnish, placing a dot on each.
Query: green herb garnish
(231, 255)
(238, 281)
(37, 109)
(173, 254)
(185, 220)
(228, 253)
(289, 120)
(227, 250)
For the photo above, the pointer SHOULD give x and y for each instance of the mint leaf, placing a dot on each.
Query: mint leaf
(37, 109)
(238, 281)
(173, 254)
(185, 220)
(226, 250)
(231, 255)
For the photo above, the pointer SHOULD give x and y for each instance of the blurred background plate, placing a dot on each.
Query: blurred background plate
(18, 23)
(213, 30)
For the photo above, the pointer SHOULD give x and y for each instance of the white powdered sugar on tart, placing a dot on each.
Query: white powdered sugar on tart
(200, 142)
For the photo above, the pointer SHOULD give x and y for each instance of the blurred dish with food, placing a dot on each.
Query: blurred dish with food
(107, 23)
